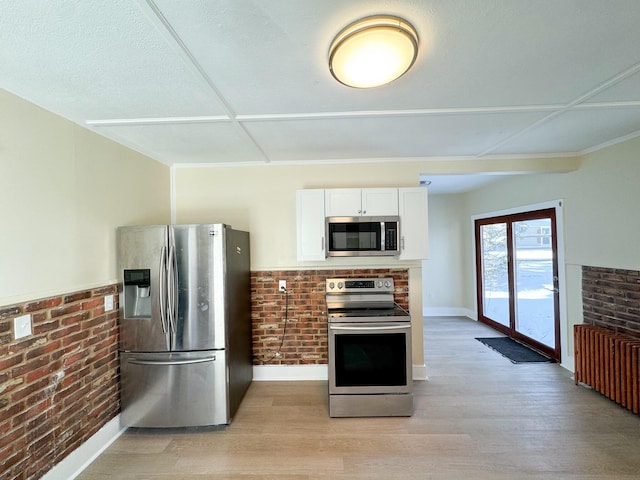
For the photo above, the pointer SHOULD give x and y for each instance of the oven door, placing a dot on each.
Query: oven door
(372, 358)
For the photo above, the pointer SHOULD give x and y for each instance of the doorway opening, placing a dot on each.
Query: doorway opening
(517, 277)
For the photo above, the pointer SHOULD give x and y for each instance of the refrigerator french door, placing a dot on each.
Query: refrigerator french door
(185, 349)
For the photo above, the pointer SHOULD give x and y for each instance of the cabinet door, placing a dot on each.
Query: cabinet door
(310, 224)
(356, 202)
(379, 201)
(343, 202)
(414, 227)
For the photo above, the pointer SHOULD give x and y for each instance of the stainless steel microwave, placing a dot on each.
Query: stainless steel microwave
(362, 236)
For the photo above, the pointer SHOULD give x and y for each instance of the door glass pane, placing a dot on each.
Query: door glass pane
(534, 282)
(495, 268)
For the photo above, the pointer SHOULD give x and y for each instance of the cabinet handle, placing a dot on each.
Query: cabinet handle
(364, 212)
(359, 211)
(402, 243)
(322, 243)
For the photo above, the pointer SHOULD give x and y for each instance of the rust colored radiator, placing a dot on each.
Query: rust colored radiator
(608, 362)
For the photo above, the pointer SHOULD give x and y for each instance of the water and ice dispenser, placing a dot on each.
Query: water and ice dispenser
(137, 293)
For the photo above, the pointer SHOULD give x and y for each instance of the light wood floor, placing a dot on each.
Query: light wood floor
(477, 417)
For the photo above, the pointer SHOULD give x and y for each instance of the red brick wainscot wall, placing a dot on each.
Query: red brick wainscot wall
(305, 341)
(60, 385)
(611, 299)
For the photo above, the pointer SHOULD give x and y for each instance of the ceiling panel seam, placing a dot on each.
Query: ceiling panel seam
(569, 106)
(357, 114)
(158, 120)
(191, 60)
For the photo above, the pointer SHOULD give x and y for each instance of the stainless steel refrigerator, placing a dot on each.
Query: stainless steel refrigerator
(185, 324)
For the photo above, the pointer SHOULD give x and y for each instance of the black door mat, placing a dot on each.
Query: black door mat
(514, 351)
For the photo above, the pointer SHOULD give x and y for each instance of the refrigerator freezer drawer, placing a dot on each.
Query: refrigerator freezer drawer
(186, 389)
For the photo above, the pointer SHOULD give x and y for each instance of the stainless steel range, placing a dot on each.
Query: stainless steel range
(369, 349)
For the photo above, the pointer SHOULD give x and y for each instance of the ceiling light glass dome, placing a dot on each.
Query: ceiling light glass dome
(373, 51)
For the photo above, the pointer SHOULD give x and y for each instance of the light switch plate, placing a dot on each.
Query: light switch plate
(108, 303)
(22, 326)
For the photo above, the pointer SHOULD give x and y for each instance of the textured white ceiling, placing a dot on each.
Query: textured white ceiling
(246, 81)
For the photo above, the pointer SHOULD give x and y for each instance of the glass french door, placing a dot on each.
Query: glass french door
(517, 272)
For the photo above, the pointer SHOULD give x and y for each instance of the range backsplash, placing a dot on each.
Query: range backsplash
(305, 341)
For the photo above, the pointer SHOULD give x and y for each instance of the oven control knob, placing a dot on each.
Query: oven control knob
(331, 285)
(379, 284)
(387, 284)
(340, 285)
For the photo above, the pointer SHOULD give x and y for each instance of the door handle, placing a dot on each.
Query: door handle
(163, 290)
(173, 288)
(357, 328)
(160, 363)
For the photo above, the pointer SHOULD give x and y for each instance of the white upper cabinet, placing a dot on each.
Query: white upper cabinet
(343, 202)
(313, 205)
(356, 202)
(379, 201)
(414, 226)
(310, 225)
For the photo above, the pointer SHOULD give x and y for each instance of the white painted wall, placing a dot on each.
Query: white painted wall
(63, 192)
(444, 290)
(599, 208)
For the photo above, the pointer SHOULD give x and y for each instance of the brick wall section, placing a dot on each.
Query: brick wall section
(611, 299)
(60, 385)
(306, 336)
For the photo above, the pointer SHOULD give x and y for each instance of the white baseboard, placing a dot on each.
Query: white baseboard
(568, 363)
(273, 373)
(420, 372)
(448, 312)
(81, 457)
(270, 373)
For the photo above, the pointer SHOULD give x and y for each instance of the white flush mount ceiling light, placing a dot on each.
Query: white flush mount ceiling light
(373, 51)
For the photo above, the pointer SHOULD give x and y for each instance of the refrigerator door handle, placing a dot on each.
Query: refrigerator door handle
(173, 290)
(163, 290)
(161, 363)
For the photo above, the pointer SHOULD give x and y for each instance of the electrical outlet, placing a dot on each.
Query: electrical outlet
(282, 286)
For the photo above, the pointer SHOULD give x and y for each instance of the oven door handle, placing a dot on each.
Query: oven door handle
(392, 327)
